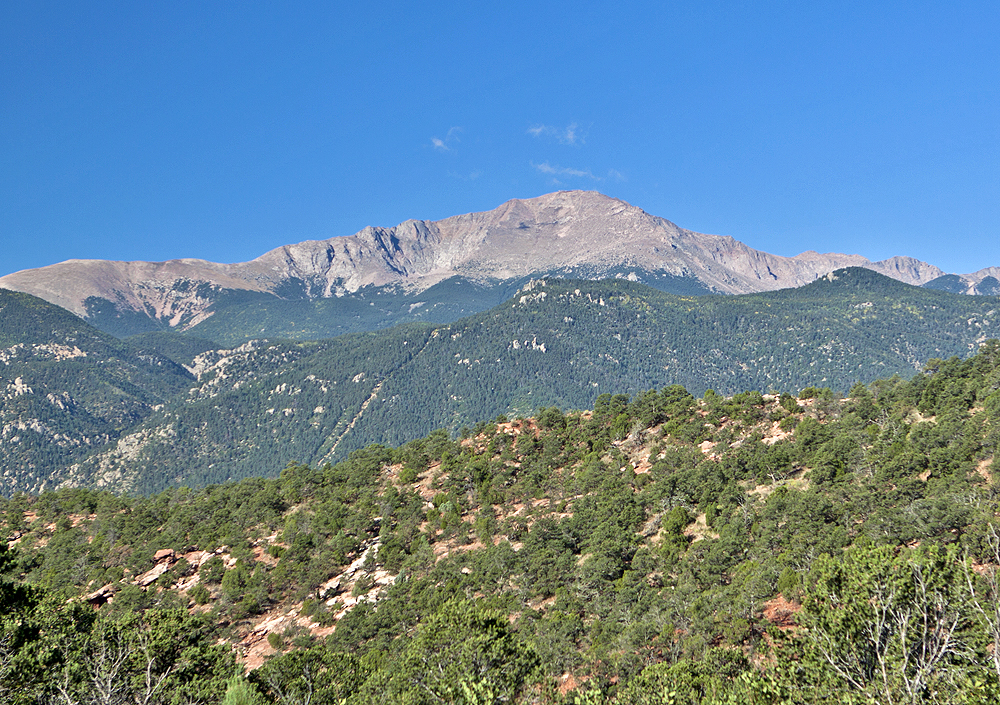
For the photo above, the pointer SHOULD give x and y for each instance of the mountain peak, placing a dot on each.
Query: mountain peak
(573, 233)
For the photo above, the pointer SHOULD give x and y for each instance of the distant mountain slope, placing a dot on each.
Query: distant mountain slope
(985, 282)
(555, 343)
(577, 234)
(237, 319)
(67, 388)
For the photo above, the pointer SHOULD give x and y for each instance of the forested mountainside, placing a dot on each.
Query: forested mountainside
(659, 549)
(246, 411)
(66, 388)
(988, 285)
(237, 318)
(557, 343)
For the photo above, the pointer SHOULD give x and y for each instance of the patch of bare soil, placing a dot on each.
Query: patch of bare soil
(984, 469)
(699, 529)
(796, 479)
(568, 683)
(775, 433)
(781, 612)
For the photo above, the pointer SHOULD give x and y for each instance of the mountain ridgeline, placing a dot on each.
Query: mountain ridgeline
(209, 415)
(437, 271)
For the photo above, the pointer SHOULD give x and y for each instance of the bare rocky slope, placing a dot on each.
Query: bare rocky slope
(578, 233)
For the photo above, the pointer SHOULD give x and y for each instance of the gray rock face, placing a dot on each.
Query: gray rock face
(580, 233)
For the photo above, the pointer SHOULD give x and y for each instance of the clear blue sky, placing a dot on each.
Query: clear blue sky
(220, 130)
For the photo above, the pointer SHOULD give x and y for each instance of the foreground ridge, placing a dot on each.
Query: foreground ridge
(713, 550)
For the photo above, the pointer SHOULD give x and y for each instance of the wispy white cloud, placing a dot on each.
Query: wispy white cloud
(565, 135)
(616, 175)
(445, 145)
(471, 176)
(546, 168)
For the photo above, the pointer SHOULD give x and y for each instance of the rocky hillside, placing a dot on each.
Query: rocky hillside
(660, 548)
(578, 234)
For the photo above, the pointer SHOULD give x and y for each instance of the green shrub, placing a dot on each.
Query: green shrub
(200, 594)
(240, 692)
(213, 570)
(275, 551)
(408, 475)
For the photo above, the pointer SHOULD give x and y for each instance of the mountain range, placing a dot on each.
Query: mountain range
(438, 271)
(216, 491)
(162, 408)
(194, 373)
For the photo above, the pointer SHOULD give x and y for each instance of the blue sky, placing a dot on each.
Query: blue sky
(220, 130)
